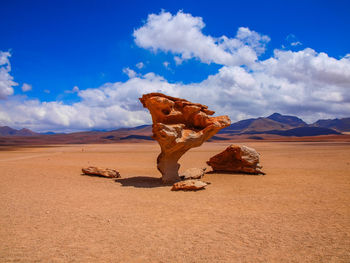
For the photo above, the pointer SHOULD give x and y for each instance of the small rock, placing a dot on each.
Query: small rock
(189, 185)
(110, 173)
(193, 173)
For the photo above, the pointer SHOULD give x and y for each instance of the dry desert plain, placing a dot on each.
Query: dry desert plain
(298, 212)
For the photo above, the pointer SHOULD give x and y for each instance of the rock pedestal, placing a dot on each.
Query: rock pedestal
(179, 125)
(236, 159)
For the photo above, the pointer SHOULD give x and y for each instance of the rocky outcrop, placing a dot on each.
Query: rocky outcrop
(237, 159)
(110, 173)
(179, 125)
(193, 173)
(189, 185)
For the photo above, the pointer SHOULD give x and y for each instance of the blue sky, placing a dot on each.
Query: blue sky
(68, 53)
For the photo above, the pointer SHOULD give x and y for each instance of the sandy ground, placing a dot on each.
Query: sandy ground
(298, 212)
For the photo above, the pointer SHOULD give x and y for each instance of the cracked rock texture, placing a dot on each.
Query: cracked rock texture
(237, 159)
(179, 125)
(110, 173)
(193, 173)
(189, 185)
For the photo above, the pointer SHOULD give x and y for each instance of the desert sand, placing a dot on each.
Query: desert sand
(298, 212)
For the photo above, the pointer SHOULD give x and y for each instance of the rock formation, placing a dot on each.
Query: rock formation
(179, 125)
(110, 173)
(193, 173)
(237, 159)
(189, 185)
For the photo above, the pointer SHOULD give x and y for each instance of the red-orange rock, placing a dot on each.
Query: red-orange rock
(179, 125)
(110, 173)
(193, 173)
(236, 159)
(189, 185)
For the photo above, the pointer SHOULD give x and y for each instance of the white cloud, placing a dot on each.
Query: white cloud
(307, 66)
(75, 89)
(305, 83)
(252, 39)
(131, 73)
(109, 106)
(178, 60)
(140, 65)
(293, 41)
(6, 80)
(166, 64)
(234, 90)
(26, 87)
(297, 43)
(182, 35)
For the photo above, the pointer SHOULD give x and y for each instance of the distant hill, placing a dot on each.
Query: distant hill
(259, 124)
(273, 126)
(8, 131)
(299, 132)
(139, 137)
(48, 133)
(285, 125)
(265, 124)
(292, 121)
(141, 127)
(275, 121)
(342, 125)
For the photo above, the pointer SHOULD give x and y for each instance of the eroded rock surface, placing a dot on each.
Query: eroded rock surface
(189, 185)
(179, 125)
(237, 159)
(193, 173)
(110, 173)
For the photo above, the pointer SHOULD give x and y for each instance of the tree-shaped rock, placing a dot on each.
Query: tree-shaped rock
(179, 125)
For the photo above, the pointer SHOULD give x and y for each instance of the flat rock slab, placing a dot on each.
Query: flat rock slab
(189, 185)
(104, 172)
(193, 173)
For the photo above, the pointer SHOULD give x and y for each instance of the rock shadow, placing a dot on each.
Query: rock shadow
(241, 173)
(96, 175)
(141, 182)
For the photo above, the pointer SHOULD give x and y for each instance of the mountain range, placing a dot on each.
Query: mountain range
(8, 131)
(273, 125)
(285, 125)
(342, 125)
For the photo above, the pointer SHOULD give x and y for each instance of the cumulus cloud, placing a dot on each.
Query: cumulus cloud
(75, 89)
(252, 39)
(307, 66)
(109, 106)
(166, 64)
(6, 80)
(296, 43)
(305, 83)
(182, 34)
(293, 41)
(322, 92)
(26, 87)
(140, 65)
(131, 73)
(178, 60)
